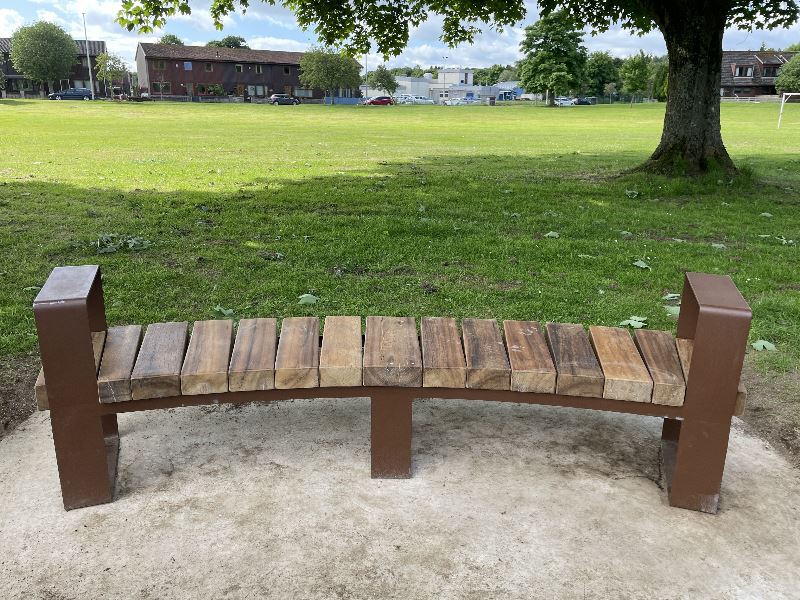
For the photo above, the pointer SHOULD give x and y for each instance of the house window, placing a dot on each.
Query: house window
(259, 69)
(259, 90)
(743, 71)
(238, 68)
(162, 87)
(187, 66)
(304, 93)
(209, 67)
(287, 70)
(160, 65)
(770, 71)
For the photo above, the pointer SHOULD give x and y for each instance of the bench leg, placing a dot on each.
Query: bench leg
(694, 462)
(391, 435)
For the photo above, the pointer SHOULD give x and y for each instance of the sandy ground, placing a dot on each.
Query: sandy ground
(507, 501)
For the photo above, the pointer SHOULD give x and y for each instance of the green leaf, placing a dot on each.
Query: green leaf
(642, 265)
(631, 193)
(762, 345)
(634, 322)
(219, 311)
(552, 234)
(766, 215)
(307, 299)
(672, 310)
(719, 246)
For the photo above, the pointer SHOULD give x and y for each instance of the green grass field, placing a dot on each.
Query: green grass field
(400, 210)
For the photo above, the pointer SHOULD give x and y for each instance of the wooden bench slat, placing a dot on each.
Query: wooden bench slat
(685, 349)
(40, 387)
(341, 357)
(205, 368)
(297, 360)
(157, 372)
(487, 362)
(114, 378)
(532, 368)
(392, 353)
(579, 373)
(626, 376)
(252, 364)
(443, 363)
(661, 357)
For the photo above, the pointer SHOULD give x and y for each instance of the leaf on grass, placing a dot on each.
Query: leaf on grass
(766, 215)
(625, 233)
(586, 256)
(634, 322)
(307, 299)
(671, 296)
(761, 345)
(219, 311)
(631, 193)
(672, 310)
(679, 240)
(642, 265)
(552, 234)
(719, 246)
(33, 288)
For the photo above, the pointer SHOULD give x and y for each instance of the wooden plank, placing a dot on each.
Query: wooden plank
(532, 368)
(205, 368)
(391, 353)
(253, 360)
(157, 372)
(579, 373)
(685, 348)
(626, 376)
(487, 362)
(661, 357)
(114, 379)
(297, 361)
(40, 387)
(340, 359)
(442, 357)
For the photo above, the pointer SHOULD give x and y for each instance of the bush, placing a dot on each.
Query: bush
(215, 90)
(789, 76)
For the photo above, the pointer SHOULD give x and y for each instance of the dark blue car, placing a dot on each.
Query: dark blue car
(72, 94)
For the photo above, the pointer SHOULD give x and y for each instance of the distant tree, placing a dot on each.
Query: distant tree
(610, 90)
(170, 39)
(508, 74)
(554, 55)
(601, 69)
(382, 79)
(326, 69)
(789, 76)
(635, 74)
(659, 78)
(488, 75)
(110, 68)
(43, 52)
(793, 48)
(229, 41)
(2, 81)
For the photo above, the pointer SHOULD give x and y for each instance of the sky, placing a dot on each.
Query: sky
(274, 28)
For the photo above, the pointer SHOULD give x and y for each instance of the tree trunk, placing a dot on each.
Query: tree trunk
(550, 98)
(691, 141)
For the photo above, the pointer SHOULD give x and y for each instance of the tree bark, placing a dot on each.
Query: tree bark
(691, 141)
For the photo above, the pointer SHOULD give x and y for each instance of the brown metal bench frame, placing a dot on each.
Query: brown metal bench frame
(694, 438)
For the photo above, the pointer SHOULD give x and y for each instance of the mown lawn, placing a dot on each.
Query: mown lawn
(392, 210)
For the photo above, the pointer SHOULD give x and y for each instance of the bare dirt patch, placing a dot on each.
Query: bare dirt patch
(17, 377)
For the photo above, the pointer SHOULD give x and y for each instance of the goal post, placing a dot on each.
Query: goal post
(784, 97)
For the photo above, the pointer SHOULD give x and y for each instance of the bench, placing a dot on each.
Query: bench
(91, 373)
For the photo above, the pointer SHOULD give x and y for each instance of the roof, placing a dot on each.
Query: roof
(210, 54)
(95, 47)
(755, 58)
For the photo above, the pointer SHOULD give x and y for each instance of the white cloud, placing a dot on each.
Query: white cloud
(10, 21)
(274, 43)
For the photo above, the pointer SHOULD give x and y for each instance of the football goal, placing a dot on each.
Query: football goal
(784, 99)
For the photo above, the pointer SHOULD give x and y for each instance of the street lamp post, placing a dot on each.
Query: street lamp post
(88, 58)
(444, 76)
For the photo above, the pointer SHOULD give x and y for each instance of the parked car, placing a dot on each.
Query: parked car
(582, 102)
(422, 100)
(277, 99)
(404, 99)
(564, 101)
(454, 102)
(72, 94)
(379, 101)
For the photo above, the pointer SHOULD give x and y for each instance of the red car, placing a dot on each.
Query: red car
(379, 101)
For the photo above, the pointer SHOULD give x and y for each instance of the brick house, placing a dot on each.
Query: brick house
(79, 77)
(751, 72)
(172, 70)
